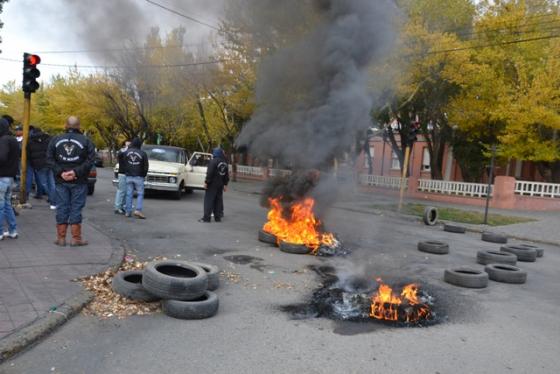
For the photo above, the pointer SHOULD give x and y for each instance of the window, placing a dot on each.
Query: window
(366, 161)
(426, 160)
(395, 163)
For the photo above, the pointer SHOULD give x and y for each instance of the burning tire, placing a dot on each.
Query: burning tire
(297, 249)
(466, 277)
(129, 284)
(175, 280)
(494, 238)
(523, 254)
(454, 228)
(430, 216)
(267, 237)
(486, 257)
(202, 307)
(506, 273)
(213, 273)
(435, 247)
(540, 250)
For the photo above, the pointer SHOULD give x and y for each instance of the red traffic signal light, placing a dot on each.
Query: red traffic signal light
(30, 72)
(33, 59)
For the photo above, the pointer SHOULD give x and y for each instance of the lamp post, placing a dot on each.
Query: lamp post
(490, 182)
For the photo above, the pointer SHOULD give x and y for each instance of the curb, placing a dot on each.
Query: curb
(44, 325)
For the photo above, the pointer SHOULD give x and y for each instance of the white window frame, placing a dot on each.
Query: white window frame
(372, 153)
(395, 163)
(426, 160)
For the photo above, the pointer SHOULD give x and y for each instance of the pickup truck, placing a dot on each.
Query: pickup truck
(171, 170)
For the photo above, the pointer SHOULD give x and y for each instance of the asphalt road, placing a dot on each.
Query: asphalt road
(500, 329)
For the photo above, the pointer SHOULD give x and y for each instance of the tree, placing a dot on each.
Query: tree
(1, 24)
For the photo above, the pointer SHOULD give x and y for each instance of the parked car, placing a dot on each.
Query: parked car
(98, 161)
(92, 179)
(171, 170)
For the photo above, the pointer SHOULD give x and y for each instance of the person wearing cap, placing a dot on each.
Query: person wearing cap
(71, 157)
(9, 161)
(120, 196)
(217, 179)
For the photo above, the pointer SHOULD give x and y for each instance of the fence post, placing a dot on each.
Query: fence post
(412, 185)
(503, 194)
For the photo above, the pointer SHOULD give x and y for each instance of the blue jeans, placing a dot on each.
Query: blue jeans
(134, 183)
(120, 196)
(6, 209)
(45, 182)
(70, 199)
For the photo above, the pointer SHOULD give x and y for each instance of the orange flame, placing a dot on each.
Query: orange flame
(386, 305)
(298, 225)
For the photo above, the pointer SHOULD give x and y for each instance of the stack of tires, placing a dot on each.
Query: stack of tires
(184, 288)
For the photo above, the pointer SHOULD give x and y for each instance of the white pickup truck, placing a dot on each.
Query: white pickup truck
(170, 171)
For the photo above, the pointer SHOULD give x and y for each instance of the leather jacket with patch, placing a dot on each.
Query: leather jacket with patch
(71, 151)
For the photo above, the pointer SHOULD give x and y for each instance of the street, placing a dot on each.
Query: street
(503, 328)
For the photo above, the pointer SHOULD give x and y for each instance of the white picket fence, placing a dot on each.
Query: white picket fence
(253, 171)
(453, 188)
(538, 189)
(382, 181)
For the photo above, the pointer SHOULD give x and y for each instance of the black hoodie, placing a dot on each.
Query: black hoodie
(135, 160)
(9, 151)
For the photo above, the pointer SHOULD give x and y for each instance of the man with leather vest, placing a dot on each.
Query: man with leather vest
(136, 167)
(71, 156)
(217, 179)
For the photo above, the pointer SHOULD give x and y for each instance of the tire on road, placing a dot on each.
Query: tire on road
(430, 216)
(454, 228)
(540, 250)
(492, 237)
(433, 246)
(486, 257)
(523, 254)
(213, 273)
(506, 273)
(466, 277)
(296, 249)
(177, 280)
(267, 238)
(202, 307)
(129, 284)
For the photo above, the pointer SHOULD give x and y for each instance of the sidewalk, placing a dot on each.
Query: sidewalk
(36, 276)
(545, 229)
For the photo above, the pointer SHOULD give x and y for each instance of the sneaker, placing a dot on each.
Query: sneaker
(139, 214)
(204, 220)
(53, 207)
(128, 215)
(119, 211)
(11, 235)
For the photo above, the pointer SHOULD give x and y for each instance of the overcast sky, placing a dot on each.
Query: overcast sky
(53, 25)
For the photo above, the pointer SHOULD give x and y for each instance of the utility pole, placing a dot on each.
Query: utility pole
(490, 182)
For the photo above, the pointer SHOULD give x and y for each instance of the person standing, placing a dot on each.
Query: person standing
(9, 163)
(71, 156)
(136, 168)
(120, 196)
(217, 179)
(37, 156)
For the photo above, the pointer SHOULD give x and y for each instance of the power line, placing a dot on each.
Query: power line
(529, 17)
(496, 30)
(116, 49)
(183, 15)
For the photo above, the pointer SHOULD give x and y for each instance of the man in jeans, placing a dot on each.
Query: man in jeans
(37, 156)
(71, 156)
(9, 163)
(136, 168)
(120, 196)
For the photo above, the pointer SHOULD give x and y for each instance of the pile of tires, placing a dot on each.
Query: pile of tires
(184, 288)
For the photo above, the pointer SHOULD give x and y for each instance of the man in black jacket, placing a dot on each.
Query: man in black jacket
(120, 196)
(71, 156)
(136, 167)
(37, 156)
(9, 164)
(217, 179)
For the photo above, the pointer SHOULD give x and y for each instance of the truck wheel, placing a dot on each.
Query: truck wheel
(179, 193)
(90, 189)
(189, 191)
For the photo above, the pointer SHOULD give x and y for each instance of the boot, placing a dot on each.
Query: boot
(77, 236)
(61, 235)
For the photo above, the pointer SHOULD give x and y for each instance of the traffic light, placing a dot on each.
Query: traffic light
(30, 72)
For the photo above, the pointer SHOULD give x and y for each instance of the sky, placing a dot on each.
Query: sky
(39, 26)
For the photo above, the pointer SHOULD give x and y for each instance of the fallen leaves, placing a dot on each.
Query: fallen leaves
(107, 303)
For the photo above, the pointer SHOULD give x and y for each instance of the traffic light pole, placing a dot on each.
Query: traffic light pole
(490, 182)
(404, 171)
(23, 173)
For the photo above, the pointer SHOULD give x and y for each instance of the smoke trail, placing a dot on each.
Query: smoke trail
(313, 96)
